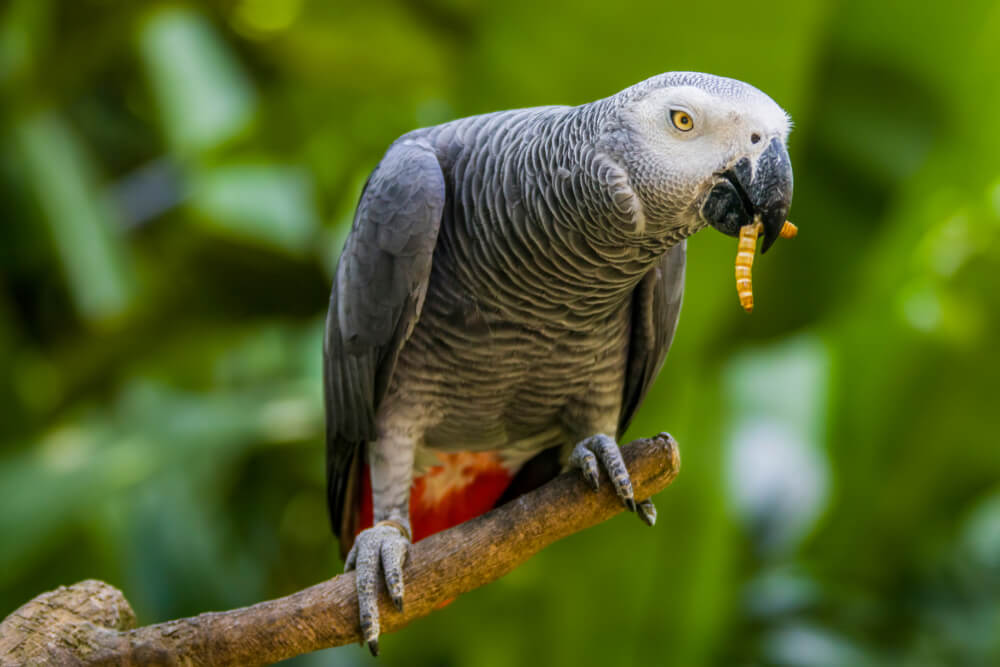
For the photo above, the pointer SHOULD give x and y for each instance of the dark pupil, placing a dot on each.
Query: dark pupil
(683, 119)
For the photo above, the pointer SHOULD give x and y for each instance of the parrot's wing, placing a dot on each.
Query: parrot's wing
(656, 305)
(376, 299)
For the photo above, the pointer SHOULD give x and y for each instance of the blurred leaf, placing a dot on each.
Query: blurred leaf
(261, 19)
(203, 94)
(22, 25)
(266, 203)
(155, 433)
(779, 477)
(61, 175)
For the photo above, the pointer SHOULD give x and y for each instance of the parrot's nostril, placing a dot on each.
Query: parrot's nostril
(754, 138)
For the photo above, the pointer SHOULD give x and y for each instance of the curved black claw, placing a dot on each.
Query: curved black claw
(647, 512)
(603, 448)
(381, 548)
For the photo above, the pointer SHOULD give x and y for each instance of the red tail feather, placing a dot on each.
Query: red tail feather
(463, 486)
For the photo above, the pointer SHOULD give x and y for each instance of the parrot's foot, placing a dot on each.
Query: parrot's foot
(383, 547)
(603, 448)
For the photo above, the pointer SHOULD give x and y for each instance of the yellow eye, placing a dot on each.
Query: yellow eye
(681, 120)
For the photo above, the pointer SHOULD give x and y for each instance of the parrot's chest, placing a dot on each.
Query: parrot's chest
(489, 381)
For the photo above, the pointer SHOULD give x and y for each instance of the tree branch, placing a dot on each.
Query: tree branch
(89, 623)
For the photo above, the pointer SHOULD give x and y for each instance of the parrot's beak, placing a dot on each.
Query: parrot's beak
(745, 191)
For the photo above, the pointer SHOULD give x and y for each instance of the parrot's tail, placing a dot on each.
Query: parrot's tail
(463, 486)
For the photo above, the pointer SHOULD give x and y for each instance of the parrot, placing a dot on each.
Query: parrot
(507, 294)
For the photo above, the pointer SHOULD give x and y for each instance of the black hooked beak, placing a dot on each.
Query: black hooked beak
(734, 201)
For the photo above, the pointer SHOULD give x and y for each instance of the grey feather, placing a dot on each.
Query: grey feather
(376, 299)
(656, 308)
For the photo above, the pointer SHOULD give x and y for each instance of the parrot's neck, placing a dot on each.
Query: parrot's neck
(564, 224)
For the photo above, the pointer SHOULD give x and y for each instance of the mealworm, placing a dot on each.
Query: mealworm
(744, 258)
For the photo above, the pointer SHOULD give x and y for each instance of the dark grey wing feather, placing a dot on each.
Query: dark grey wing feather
(375, 302)
(656, 306)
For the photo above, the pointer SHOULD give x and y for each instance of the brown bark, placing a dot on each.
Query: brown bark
(90, 623)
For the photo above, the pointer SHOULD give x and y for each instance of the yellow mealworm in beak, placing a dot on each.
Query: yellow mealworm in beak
(744, 262)
(745, 254)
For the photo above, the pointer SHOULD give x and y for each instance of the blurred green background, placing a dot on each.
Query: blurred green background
(175, 184)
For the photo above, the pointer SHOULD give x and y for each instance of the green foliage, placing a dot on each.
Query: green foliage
(175, 183)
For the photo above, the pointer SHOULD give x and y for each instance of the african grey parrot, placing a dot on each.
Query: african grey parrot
(507, 295)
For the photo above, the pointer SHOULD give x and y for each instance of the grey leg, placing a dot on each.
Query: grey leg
(380, 551)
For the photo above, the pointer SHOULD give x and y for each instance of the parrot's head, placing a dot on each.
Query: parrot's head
(703, 149)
